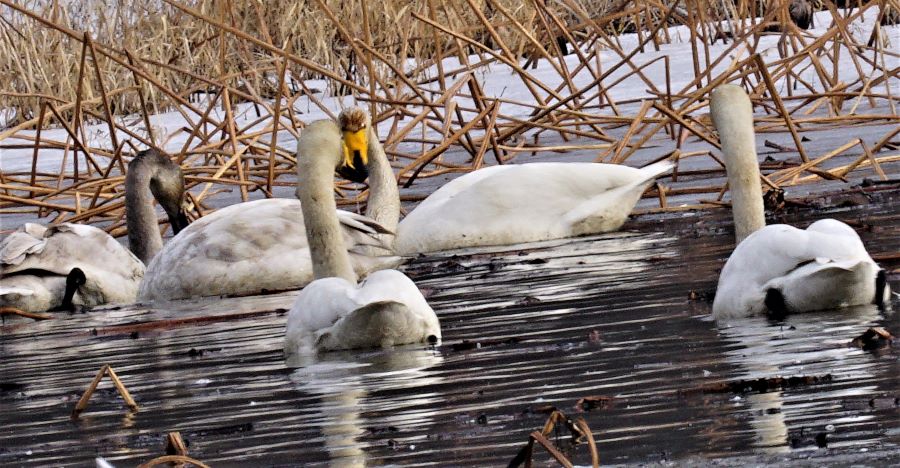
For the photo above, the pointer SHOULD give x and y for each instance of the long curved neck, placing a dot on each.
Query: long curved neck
(144, 238)
(318, 153)
(732, 114)
(384, 196)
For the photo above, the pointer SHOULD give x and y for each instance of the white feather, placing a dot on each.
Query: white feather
(250, 248)
(384, 310)
(38, 259)
(510, 204)
(821, 267)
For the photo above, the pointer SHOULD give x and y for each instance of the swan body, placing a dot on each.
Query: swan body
(261, 246)
(334, 312)
(35, 260)
(780, 269)
(510, 204)
(824, 266)
(385, 309)
(251, 248)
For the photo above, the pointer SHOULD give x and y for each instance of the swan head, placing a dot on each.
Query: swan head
(74, 280)
(166, 184)
(354, 123)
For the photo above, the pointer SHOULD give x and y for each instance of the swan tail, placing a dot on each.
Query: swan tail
(652, 171)
(608, 211)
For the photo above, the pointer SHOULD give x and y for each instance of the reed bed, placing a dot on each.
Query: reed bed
(96, 72)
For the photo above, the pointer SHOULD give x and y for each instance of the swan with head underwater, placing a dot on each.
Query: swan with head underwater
(516, 203)
(45, 268)
(261, 246)
(334, 312)
(779, 269)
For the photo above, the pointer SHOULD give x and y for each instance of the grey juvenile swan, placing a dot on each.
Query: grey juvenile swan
(44, 268)
(261, 246)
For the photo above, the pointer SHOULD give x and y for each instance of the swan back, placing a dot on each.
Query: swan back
(823, 266)
(510, 204)
(25, 241)
(386, 309)
(32, 293)
(113, 273)
(251, 248)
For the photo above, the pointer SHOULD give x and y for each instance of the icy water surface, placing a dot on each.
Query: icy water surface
(547, 324)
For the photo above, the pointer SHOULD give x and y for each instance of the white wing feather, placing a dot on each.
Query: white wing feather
(250, 248)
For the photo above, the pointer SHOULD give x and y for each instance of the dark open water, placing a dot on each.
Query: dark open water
(607, 315)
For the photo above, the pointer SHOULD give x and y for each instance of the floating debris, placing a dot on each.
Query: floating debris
(174, 459)
(105, 370)
(467, 345)
(761, 385)
(873, 338)
(593, 402)
(579, 430)
(175, 444)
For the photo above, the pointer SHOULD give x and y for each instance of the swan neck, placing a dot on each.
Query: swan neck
(384, 197)
(732, 114)
(144, 238)
(318, 154)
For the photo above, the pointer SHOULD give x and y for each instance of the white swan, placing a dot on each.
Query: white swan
(334, 312)
(261, 246)
(35, 261)
(779, 268)
(516, 203)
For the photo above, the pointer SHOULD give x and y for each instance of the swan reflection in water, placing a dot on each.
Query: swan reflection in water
(348, 384)
(808, 344)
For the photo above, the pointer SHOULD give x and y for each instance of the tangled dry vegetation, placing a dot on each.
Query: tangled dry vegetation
(71, 64)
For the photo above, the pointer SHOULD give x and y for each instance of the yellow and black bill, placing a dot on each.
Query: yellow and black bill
(354, 164)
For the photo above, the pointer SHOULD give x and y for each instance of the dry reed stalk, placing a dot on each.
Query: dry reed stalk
(173, 459)
(516, 130)
(248, 67)
(773, 92)
(794, 172)
(426, 158)
(276, 119)
(488, 139)
(22, 313)
(554, 148)
(873, 160)
(92, 387)
(229, 118)
(862, 161)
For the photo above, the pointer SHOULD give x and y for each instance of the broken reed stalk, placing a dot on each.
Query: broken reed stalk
(23, 313)
(92, 387)
(173, 459)
(579, 430)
